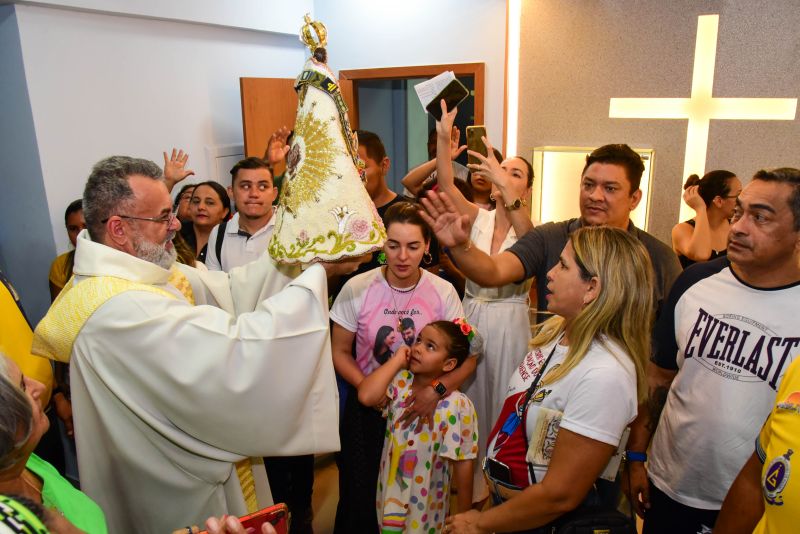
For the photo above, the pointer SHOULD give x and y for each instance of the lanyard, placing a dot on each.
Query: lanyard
(514, 418)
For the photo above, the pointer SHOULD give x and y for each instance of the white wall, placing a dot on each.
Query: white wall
(87, 85)
(104, 84)
(92, 78)
(261, 15)
(388, 33)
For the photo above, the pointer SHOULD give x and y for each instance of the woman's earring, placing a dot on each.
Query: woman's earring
(427, 258)
(491, 197)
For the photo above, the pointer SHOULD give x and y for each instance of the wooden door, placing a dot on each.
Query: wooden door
(267, 104)
(348, 82)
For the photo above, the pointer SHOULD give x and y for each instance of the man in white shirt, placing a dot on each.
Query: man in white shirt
(246, 236)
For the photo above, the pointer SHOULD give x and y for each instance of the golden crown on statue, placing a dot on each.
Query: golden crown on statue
(309, 29)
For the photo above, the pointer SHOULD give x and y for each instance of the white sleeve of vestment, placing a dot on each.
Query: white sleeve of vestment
(243, 288)
(261, 384)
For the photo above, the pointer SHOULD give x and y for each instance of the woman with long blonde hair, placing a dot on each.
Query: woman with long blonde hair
(575, 392)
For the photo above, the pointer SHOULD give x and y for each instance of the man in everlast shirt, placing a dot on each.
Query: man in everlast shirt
(725, 337)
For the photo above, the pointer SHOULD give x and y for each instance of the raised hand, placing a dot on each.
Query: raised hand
(693, 199)
(276, 146)
(455, 139)
(175, 168)
(489, 167)
(452, 229)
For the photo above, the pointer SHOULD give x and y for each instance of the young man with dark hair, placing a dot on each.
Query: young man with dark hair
(373, 154)
(246, 236)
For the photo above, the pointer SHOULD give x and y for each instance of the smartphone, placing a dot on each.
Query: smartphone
(277, 515)
(453, 94)
(475, 143)
(497, 470)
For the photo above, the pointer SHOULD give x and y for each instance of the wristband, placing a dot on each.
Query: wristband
(439, 388)
(633, 456)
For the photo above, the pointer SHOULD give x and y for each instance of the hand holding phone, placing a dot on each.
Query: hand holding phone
(475, 143)
(277, 516)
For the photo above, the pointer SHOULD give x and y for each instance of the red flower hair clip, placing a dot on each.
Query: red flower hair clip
(466, 328)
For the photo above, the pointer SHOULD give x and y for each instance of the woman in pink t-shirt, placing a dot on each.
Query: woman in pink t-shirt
(374, 313)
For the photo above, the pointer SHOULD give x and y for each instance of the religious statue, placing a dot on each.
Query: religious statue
(325, 213)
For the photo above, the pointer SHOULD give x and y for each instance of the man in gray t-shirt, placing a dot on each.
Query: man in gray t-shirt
(609, 192)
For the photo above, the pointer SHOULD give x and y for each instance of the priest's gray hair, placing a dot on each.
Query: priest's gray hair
(15, 414)
(108, 192)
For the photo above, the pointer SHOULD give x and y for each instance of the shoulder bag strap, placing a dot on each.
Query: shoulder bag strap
(220, 237)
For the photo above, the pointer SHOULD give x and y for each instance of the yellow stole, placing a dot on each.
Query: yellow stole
(56, 333)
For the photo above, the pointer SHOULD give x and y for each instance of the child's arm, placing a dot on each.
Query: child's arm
(462, 476)
(372, 390)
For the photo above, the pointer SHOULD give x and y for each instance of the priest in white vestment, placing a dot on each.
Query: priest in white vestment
(180, 376)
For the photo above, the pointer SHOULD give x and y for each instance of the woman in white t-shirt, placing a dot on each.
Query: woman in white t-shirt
(570, 400)
(500, 314)
(385, 306)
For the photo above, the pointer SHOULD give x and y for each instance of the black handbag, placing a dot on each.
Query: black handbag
(594, 520)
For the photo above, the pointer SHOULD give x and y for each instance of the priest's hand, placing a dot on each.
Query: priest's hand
(420, 404)
(452, 229)
(232, 525)
(175, 168)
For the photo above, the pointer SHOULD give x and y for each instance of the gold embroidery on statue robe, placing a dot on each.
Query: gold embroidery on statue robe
(311, 160)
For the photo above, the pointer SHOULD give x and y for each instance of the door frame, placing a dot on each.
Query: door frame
(348, 82)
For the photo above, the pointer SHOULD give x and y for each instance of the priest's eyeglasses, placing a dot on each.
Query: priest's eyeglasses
(164, 219)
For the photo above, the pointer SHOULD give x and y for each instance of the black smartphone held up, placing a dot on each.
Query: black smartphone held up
(475, 143)
(453, 94)
(497, 470)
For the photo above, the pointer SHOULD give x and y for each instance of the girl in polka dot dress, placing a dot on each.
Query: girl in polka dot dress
(418, 461)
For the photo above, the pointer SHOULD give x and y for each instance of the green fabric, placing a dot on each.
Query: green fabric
(58, 493)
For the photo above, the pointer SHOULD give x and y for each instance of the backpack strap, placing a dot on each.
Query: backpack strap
(220, 237)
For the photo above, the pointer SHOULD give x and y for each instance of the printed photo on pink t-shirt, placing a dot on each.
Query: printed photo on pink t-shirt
(389, 318)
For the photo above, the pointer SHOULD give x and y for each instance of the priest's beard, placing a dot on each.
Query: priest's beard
(154, 252)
